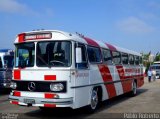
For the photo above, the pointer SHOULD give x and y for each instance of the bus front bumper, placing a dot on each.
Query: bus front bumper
(41, 102)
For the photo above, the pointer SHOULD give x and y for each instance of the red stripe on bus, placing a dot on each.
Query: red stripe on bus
(111, 47)
(106, 76)
(50, 77)
(17, 74)
(15, 102)
(127, 85)
(49, 95)
(50, 105)
(91, 42)
(17, 93)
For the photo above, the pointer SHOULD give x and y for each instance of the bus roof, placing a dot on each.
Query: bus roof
(48, 35)
(4, 50)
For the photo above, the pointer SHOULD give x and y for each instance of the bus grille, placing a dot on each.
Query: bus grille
(40, 86)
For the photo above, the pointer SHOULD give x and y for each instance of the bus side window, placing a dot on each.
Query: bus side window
(140, 60)
(116, 57)
(124, 58)
(1, 63)
(84, 63)
(137, 60)
(131, 59)
(94, 54)
(107, 57)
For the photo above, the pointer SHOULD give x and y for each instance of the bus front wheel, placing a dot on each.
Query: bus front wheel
(94, 101)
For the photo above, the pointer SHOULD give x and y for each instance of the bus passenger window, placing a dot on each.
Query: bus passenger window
(131, 59)
(94, 54)
(137, 60)
(116, 57)
(140, 60)
(1, 63)
(107, 58)
(124, 58)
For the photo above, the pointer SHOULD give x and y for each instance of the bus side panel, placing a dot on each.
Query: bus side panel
(99, 74)
(117, 79)
(81, 96)
(80, 87)
(125, 78)
(141, 77)
(85, 83)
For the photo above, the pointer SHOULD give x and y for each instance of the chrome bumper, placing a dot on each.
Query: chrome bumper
(40, 101)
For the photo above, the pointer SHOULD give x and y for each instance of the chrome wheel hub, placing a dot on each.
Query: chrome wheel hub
(94, 99)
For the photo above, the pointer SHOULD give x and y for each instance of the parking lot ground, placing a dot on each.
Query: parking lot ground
(146, 101)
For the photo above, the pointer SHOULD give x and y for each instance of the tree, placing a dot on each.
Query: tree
(157, 57)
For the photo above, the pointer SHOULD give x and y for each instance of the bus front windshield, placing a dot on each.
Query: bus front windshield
(48, 54)
(24, 55)
(54, 54)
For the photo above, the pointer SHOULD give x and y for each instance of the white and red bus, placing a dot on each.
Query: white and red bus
(60, 69)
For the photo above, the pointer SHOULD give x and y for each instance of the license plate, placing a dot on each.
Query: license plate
(29, 101)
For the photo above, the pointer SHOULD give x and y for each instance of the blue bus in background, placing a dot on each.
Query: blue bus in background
(6, 67)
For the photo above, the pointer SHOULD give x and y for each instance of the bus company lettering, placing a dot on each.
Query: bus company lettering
(82, 74)
(133, 70)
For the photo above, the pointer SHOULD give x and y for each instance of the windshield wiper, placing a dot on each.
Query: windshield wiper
(43, 61)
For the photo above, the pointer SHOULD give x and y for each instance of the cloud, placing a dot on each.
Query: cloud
(134, 25)
(13, 6)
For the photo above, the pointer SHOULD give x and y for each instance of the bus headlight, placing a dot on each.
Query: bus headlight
(13, 85)
(56, 86)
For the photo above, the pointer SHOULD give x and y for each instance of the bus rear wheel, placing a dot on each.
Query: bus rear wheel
(134, 88)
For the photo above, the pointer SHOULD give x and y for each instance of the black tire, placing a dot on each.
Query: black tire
(134, 88)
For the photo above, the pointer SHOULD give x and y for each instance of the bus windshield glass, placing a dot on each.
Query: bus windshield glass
(9, 61)
(24, 55)
(1, 63)
(155, 67)
(53, 54)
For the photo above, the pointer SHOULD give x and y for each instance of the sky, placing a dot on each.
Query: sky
(131, 24)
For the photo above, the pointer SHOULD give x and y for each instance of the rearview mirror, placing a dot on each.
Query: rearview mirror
(78, 55)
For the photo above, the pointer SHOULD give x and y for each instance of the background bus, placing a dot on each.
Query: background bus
(6, 66)
(156, 67)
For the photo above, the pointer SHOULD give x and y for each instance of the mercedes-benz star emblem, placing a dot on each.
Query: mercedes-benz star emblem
(31, 86)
